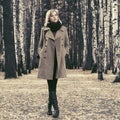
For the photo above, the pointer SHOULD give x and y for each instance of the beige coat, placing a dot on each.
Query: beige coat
(46, 50)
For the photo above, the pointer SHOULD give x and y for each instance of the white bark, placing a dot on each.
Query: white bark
(116, 36)
(106, 16)
(15, 30)
(84, 19)
(33, 32)
(94, 38)
(21, 30)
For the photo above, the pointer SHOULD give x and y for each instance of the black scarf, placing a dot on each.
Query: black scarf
(54, 26)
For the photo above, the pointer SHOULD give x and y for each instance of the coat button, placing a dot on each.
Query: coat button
(44, 57)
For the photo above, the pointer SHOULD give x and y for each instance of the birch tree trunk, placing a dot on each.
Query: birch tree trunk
(106, 16)
(17, 36)
(1, 27)
(22, 36)
(32, 42)
(100, 42)
(18, 42)
(94, 37)
(116, 38)
(1, 38)
(84, 23)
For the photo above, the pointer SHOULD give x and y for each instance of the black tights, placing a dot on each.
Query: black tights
(52, 84)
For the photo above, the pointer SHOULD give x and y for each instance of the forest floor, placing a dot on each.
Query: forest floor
(81, 96)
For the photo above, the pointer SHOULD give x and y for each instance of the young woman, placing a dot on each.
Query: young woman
(52, 48)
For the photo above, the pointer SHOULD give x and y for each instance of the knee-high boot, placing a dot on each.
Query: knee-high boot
(55, 104)
(50, 103)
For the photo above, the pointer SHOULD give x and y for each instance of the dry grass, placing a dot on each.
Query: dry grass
(81, 97)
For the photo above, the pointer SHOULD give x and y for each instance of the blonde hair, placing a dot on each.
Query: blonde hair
(48, 16)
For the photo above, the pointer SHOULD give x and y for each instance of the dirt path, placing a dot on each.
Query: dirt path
(81, 97)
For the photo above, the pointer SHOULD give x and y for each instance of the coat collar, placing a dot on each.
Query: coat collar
(49, 33)
(47, 28)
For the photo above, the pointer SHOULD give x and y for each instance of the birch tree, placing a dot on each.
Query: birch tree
(100, 42)
(22, 36)
(95, 14)
(1, 38)
(106, 16)
(116, 38)
(84, 22)
(17, 36)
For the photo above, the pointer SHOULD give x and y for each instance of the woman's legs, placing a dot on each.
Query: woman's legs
(52, 87)
(52, 84)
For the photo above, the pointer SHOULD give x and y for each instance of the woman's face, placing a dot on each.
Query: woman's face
(54, 17)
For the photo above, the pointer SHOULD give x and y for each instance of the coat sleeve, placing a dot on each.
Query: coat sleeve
(40, 44)
(67, 42)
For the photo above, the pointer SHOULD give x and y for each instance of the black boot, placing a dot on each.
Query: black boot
(50, 104)
(55, 105)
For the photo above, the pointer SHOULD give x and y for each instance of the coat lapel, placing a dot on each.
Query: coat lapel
(49, 34)
(59, 33)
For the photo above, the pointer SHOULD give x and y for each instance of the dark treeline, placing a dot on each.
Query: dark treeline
(93, 27)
